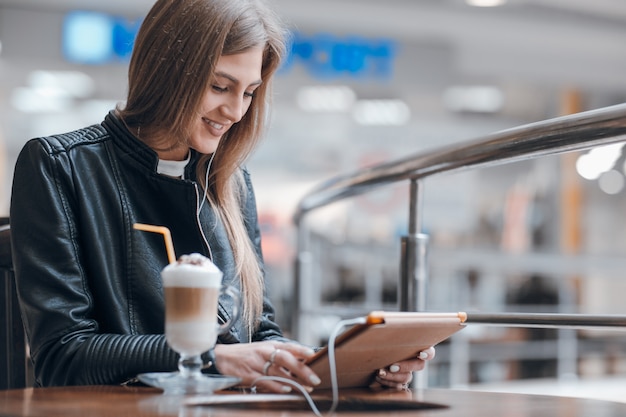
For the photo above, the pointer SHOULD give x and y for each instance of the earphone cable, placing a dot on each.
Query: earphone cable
(206, 182)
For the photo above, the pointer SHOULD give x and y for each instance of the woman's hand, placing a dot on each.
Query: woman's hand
(250, 361)
(398, 375)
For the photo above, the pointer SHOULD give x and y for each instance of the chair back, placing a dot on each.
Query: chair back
(15, 364)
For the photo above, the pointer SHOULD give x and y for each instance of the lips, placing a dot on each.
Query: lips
(213, 124)
(216, 128)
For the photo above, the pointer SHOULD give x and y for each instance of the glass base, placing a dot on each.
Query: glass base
(173, 383)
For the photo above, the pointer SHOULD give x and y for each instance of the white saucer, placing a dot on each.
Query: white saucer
(174, 383)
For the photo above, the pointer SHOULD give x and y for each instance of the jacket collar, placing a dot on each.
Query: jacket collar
(137, 150)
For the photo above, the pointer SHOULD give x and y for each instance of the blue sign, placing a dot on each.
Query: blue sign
(97, 38)
(327, 56)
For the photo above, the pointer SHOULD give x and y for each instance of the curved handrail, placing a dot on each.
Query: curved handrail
(558, 135)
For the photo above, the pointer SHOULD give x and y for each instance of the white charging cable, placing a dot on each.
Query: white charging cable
(206, 183)
(331, 357)
(288, 381)
(332, 365)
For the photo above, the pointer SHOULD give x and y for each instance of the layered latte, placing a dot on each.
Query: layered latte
(192, 287)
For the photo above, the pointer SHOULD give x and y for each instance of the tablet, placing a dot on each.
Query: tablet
(383, 339)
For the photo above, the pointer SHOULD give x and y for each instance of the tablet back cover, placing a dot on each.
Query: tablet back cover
(386, 338)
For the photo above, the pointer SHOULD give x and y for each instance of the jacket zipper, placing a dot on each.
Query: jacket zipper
(199, 224)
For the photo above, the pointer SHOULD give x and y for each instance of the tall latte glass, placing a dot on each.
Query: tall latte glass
(192, 288)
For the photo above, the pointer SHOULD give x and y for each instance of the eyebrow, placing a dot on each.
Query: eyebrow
(235, 80)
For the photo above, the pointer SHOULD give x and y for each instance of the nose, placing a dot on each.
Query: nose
(234, 108)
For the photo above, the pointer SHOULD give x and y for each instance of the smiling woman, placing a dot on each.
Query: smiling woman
(173, 155)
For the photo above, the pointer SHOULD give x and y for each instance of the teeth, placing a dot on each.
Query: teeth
(214, 124)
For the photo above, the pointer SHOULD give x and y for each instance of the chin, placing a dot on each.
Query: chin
(208, 147)
(205, 150)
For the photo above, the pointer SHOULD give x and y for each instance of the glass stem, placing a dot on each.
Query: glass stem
(190, 366)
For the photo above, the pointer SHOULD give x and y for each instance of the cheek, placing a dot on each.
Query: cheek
(209, 102)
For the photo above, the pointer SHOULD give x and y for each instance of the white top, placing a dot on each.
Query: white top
(174, 169)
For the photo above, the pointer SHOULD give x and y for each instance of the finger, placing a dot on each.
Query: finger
(393, 378)
(298, 351)
(409, 365)
(267, 385)
(295, 368)
(427, 354)
(393, 383)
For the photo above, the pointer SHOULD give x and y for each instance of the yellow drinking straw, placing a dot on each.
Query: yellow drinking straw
(169, 246)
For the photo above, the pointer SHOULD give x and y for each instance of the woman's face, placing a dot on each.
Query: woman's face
(228, 98)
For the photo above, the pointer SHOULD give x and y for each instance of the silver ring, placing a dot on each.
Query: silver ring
(266, 367)
(273, 355)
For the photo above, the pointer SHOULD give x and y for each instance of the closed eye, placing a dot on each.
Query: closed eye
(218, 89)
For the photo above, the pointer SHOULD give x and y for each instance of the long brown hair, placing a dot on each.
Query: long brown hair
(174, 57)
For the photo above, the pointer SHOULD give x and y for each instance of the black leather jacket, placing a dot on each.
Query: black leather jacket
(88, 283)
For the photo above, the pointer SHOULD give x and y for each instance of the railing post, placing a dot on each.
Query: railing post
(414, 266)
(414, 257)
(302, 269)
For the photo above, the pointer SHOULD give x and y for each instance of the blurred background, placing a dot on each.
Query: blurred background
(372, 81)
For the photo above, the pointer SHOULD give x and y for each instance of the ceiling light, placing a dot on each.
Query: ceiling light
(29, 100)
(611, 182)
(598, 161)
(475, 99)
(485, 3)
(73, 83)
(326, 98)
(381, 112)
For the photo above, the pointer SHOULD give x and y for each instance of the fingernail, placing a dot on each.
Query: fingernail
(394, 368)
(315, 380)
(382, 372)
(423, 356)
(285, 388)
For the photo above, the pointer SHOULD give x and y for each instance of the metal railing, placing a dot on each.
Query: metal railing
(575, 132)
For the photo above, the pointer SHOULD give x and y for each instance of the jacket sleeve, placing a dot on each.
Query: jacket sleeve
(57, 305)
(268, 328)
